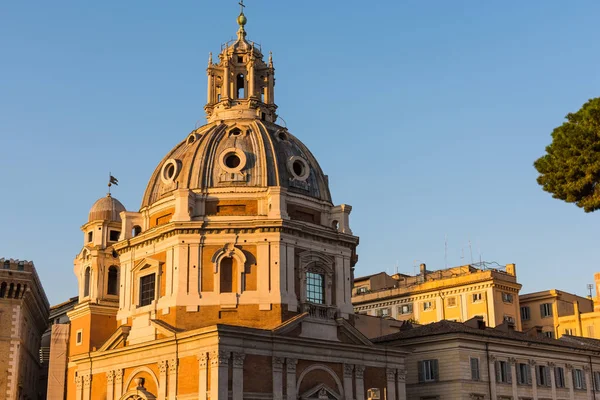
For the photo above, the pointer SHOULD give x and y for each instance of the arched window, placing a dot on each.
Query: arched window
(227, 273)
(3, 289)
(11, 290)
(86, 282)
(136, 231)
(315, 287)
(18, 291)
(240, 82)
(113, 280)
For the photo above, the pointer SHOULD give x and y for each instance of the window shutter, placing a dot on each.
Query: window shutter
(436, 371)
(519, 378)
(475, 369)
(548, 379)
(508, 373)
(420, 370)
(583, 382)
(498, 376)
(538, 378)
(542, 310)
(528, 374)
(574, 380)
(410, 308)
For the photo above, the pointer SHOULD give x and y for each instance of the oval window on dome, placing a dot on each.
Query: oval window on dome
(232, 160)
(169, 171)
(299, 168)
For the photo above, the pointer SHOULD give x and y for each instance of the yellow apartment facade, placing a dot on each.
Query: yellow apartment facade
(558, 313)
(455, 294)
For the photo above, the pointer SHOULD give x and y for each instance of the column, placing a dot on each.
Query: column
(390, 374)
(551, 365)
(290, 365)
(219, 374)
(492, 377)
(237, 376)
(513, 376)
(348, 369)
(172, 386)
(202, 376)
(277, 378)
(464, 315)
(118, 383)
(533, 378)
(110, 387)
(162, 379)
(359, 371)
(569, 379)
(79, 385)
(401, 384)
(87, 387)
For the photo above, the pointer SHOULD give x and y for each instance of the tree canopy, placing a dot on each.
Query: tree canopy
(570, 169)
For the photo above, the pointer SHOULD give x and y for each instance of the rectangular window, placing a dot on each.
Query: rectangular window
(90, 236)
(597, 380)
(113, 236)
(147, 288)
(546, 310)
(451, 301)
(383, 312)
(6, 264)
(507, 297)
(549, 334)
(542, 375)
(315, 288)
(559, 377)
(474, 368)
(477, 297)
(569, 331)
(21, 266)
(509, 318)
(503, 372)
(523, 374)
(578, 379)
(79, 338)
(525, 313)
(428, 370)
(427, 305)
(405, 309)
(361, 290)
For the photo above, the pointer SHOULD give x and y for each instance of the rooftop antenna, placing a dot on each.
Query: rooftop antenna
(396, 266)
(471, 251)
(446, 251)
(590, 287)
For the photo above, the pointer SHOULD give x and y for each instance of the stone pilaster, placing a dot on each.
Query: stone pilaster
(551, 366)
(348, 371)
(390, 374)
(163, 367)
(172, 386)
(118, 383)
(237, 376)
(569, 380)
(401, 384)
(110, 385)
(588, 381)
(219, 374)
(277, 378)
(202, 376)
(290, 364)
(492, 369)
(79, 386)
(87, 387)
(359, 376)
(532, 371)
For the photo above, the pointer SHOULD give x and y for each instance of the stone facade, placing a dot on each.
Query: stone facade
(234, 278)
(23, 317)
(456, 294)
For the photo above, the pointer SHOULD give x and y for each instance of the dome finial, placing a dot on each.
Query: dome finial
(241, 19)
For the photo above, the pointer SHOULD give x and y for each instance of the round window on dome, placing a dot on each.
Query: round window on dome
(232, 160)
(170, 170)
(299, 168)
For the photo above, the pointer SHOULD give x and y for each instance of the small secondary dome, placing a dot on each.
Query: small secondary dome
(106, 208)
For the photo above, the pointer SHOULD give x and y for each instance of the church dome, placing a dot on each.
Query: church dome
(107, 208)
(247, 153)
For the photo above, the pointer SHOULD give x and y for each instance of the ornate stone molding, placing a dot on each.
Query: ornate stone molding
(359, 371)
(569, 367)
(118, 376)
(532, 362)
(110, 376)
(492, 358)
(162, 366)
(512, 360)
(390, 374)
(586, 367)
(87, 380)
(290, 364)
(401, 375)
(202, 360)
(551, 364)
(238, 360)
(79, 382)
(277, 363)
(219, 357)
(348, 369)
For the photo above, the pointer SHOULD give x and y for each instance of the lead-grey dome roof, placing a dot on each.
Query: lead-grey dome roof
(234, 153)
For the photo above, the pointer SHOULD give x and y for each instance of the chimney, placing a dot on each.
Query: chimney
(511, 269)
(423, 270)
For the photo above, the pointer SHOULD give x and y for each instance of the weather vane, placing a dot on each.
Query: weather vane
(112, 181)
(241, 3)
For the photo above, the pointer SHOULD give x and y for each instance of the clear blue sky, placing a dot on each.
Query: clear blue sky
(427, 117)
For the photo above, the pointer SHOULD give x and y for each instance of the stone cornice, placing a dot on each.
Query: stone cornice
(89, 308)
